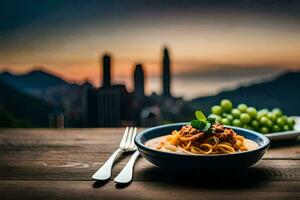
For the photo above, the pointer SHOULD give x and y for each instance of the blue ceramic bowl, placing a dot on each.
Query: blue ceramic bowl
(173, 161)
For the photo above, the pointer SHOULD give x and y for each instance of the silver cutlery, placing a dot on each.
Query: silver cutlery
(126, 145)
(126, 175)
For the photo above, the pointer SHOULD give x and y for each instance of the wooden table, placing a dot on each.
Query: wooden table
(58, 164)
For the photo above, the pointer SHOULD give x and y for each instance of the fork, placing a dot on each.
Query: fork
(126, 145)
(126, 175)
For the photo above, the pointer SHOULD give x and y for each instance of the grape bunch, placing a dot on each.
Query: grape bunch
(263, 121)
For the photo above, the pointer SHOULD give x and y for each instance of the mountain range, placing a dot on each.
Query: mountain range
(33, 79)
(48, 88)
(24, 106)
(281, 92)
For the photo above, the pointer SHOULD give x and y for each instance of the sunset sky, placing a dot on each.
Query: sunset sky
(67, 37)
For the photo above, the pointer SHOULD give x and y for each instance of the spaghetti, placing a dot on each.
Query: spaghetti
(193, 141)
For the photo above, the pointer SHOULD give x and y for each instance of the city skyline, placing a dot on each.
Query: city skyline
(202, 36)
(108, 104)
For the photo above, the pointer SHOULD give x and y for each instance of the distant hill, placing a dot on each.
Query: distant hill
(53, 90)
(24, 106)
(231, 72)
(282, 92)
(37, 82)
(33, 79)
(8, 120)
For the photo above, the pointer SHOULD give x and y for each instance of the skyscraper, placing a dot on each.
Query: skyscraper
(166, 73)
(139, 85)
(107, 106)
(106, 82)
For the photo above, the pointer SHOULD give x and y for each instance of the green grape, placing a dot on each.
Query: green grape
(284, 117)
(277, 112)
(242, 107)
(225, 121)
(255, 124)
(264, 130)
(290, 122)
(264, 121)
(272, 116)
(269, 124)
(226, 105)
(212, 115)
(280, 122)
(217, 110)
(276, 128)
(229, 117)
(261, 113)
(224, 115)
(236, 113)
(245, 118)
(237, 122)
(264, 110)
(252, 112)
(286, 127)
(217, 117)
(259, 116)
(247, 127)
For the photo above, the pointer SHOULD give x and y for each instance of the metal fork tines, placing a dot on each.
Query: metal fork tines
(126, 144)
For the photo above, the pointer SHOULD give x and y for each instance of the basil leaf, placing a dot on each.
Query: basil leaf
(195, 124)
(207, 127)
(198, 124)
(200, 116)
(211, 120)
(202, 125)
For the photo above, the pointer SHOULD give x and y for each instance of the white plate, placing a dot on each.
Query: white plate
(286, 135)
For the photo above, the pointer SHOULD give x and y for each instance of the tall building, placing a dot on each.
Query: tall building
(113, 105)
(107, 106)
(106, 75)
(91, 108)
(139, 82)
(166, 73)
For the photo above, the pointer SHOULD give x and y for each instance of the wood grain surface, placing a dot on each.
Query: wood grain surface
(58, 164)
